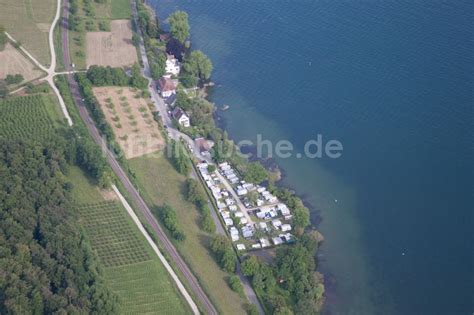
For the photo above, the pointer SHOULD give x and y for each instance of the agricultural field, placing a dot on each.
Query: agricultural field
(131, 118)
(29, 117)
(131, 268)
(91, 16)
(14, 62)
(170, 190)
(28, 21)
(114, 48)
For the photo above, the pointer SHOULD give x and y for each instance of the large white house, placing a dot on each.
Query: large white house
(172, 65)
(181, 117)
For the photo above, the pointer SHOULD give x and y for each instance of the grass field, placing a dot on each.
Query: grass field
(159, 184)
(28, 21)
(132, 270)
(29, 117)
(114, 48)
(103, 15)
(12, 61)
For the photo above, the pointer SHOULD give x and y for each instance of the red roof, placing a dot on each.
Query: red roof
(166, 84)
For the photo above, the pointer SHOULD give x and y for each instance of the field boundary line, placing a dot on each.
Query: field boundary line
(170, 270)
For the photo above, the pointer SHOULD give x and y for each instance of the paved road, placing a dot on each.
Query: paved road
(133, 193)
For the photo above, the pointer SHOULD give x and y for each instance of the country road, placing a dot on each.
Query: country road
(132, 192)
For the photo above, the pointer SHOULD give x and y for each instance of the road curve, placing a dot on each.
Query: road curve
(133, 193)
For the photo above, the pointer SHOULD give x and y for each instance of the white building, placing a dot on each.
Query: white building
(181, 117)
(172, 65)
(283, 209)
(263, 226)
(264, 242)
(247, 231)
(241, 191)
(240, 247)
(276, 223)
(285, 227)
(277, 241)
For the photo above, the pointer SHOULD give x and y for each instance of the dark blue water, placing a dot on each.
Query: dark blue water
(393, 81)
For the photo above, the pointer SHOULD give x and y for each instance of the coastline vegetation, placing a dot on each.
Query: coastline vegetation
(291, 283)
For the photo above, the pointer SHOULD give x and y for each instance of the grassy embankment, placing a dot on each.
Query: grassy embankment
(91, 17)
(159, 184)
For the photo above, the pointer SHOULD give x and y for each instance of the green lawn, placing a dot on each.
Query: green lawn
(132, 270)
(121, 9)
(160, 184)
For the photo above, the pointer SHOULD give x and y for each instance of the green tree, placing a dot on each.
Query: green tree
(301, 217)
(3, 89)
(198, 65)
(179, 25)
(3, 38)
(251, 309)
(236, 285)
(195, 193)
(211, 168)
(255, 173)
(225, 255)
(137, 79)
(207, 223)
(14, 79)
(250, 266)
(180, 158)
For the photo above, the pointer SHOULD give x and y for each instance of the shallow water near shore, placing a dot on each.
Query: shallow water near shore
(391, 80)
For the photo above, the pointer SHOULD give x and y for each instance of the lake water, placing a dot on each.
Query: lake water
(393, 82)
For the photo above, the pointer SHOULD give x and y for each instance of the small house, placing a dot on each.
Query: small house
(167, 86)
(203, 145)
(181, 117)
(228, 222)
